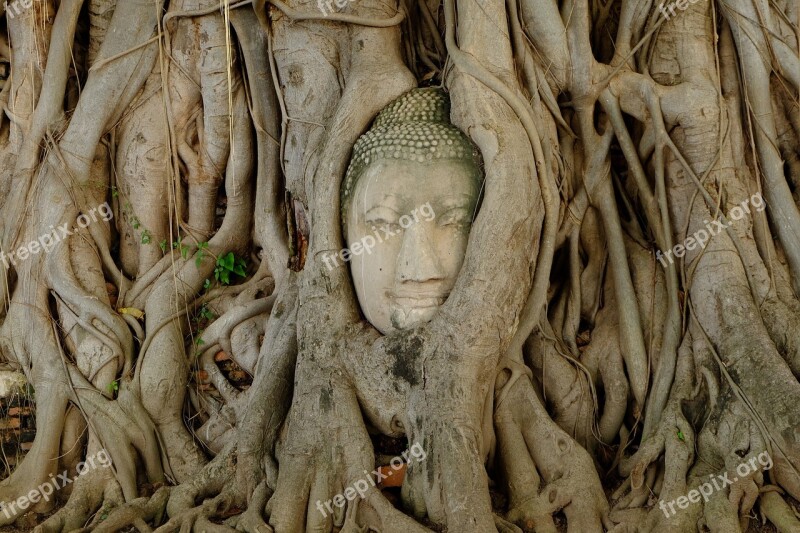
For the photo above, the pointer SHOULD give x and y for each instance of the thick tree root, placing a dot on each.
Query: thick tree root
(530, 444)
(97, 489)
(137, 513)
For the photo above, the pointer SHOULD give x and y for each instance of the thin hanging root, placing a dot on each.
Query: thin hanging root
(596, 172)
(593, 245)
(667, 361)
(755, 72)
(572, 318)
(657, 215)
(630, 324)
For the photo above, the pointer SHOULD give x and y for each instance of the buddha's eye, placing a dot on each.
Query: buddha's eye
(385, 225)
(456, 217)
(384, 219)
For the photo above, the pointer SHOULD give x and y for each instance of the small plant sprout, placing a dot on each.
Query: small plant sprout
(178, 245)
(201, 253)
(229, 264)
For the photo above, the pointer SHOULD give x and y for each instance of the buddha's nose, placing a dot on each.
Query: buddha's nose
(418, 261)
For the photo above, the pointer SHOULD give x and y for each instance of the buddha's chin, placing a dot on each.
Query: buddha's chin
(408, 317)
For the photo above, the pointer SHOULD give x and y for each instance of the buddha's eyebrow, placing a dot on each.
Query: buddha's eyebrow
(391, 201)
(461, 200)
(378, 209)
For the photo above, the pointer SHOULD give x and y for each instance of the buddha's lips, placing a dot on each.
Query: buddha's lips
(418, 301)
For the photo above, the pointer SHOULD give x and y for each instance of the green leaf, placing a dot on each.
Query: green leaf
(227, 261)
(207, 284)
(201, 254)
(680, 434)
(146, 237)
(163, 246)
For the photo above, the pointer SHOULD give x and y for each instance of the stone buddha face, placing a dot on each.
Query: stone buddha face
(419, 216)
(408, 203)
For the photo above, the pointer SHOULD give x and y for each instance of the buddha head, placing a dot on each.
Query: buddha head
(408, 201)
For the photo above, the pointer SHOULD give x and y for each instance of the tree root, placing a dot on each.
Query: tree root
(137, 513)
(529, 441)
(96, 490)
(775, 508)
